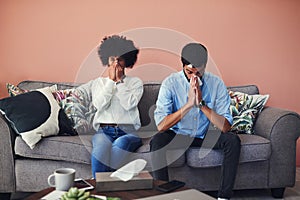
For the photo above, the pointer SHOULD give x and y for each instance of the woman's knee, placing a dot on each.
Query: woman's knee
(125, 142)
(101, 140)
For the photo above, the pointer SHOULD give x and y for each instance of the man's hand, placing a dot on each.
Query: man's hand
(198, 92)
(195, 94)
(172, 119)
(191, 94)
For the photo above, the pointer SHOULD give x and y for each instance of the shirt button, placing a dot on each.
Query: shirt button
(195, 118)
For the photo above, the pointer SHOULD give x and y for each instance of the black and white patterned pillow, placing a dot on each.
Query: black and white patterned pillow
(35, 114)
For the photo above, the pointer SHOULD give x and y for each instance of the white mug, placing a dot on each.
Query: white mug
(63, 178)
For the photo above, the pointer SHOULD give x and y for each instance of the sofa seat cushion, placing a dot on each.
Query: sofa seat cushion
(175, 158)
(65, 148)
(73, 149)
(253, 148)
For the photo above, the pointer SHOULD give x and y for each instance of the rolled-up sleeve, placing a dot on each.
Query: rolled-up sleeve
(164, 103)
(223, 102)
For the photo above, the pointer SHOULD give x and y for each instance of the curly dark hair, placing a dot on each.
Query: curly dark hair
(195, 54)
(120, 47)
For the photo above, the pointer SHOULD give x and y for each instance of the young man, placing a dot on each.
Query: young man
(115, 98)
(187, 103)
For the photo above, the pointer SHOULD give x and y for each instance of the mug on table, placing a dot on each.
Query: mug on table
(63, 179)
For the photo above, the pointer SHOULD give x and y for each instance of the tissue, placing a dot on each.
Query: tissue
(128, 171)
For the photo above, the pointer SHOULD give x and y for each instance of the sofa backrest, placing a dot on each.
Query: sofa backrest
(248, 89)
(146, 105)
(32, 85)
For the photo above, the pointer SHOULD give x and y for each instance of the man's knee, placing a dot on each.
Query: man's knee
(159, 140)
(234, 141)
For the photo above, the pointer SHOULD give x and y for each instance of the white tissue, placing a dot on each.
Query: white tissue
(130, 170)
(199, 80)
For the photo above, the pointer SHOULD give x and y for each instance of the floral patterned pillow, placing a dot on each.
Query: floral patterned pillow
(65, 99)
(83, 113)
(245, 109)
(14, 90)
(78, 109)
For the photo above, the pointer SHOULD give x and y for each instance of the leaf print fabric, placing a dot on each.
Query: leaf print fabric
(245, 109)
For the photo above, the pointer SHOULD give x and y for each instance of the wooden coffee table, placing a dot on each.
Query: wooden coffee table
(124, 195)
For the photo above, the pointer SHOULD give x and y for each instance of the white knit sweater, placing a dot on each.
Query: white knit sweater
(115, 103)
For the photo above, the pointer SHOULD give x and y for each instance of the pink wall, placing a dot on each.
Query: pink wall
(251, 41)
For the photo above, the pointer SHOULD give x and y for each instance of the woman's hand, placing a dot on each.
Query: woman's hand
(112, 72)
(119, 71)
(115, 71)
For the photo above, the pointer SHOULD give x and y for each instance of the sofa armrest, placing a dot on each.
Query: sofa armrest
(282, 128)
(271, 119)
(7, 169)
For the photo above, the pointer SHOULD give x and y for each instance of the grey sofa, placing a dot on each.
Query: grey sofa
(267, 161)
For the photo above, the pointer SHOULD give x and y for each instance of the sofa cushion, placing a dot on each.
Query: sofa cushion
(253, 148)
(176, 158)
(77, 149)
(65, 148)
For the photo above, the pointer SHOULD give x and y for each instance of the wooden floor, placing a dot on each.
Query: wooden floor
(290, 193)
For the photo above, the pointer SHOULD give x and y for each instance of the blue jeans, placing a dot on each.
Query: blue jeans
(111, 148)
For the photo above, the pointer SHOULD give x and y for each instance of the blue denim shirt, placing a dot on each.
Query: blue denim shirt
(173, 95)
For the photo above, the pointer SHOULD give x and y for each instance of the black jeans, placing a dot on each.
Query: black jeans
(228, 142)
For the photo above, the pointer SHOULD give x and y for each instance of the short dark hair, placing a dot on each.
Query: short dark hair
(195, 54)
(120, 47)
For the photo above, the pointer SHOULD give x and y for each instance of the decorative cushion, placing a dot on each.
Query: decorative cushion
(61, 97)
(14, 90)
(34, 115)
(65, 99)
(75, 104)
(78, 108)
(83, 112)
(245, 109)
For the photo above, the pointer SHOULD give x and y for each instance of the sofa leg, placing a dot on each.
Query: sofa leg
(277, 192)
(5, 196)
